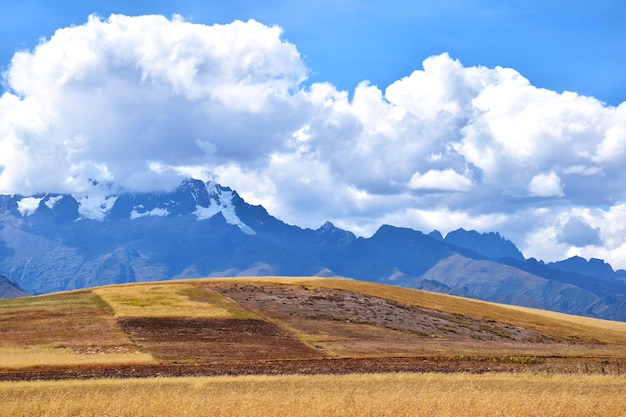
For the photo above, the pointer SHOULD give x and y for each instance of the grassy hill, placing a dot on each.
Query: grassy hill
(288, 325)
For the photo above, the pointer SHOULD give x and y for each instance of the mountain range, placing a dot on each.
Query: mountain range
(55, 242)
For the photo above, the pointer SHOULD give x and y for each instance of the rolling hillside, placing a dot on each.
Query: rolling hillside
(286, 325)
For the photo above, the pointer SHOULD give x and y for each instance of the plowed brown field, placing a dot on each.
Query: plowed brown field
(212, 340)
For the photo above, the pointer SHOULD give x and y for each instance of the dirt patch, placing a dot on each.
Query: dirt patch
(84, 330)
(281, 367)
(554, 365)
(339, 306)
(208, 340)
(350, 324)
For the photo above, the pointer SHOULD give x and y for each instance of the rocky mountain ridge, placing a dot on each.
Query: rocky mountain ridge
(54, 242)
(8, 289)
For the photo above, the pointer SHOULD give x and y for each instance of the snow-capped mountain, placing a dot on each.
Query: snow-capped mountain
(192, 197)
(54, 242)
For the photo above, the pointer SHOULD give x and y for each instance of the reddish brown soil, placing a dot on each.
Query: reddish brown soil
(280, 367)
(336, 366)
(210, 340)
(351, 324)
(296, 304)
(84, 330)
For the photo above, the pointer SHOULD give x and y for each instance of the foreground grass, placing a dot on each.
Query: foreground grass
(347, 395)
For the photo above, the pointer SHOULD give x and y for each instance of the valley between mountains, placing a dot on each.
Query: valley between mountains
(290, 325)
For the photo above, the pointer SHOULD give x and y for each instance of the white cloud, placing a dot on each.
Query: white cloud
(139, 101)
(576, 232)
(546, 185)
(565, 232)
(582, 170)
(435, 180)
(102, 99)
(612, 147)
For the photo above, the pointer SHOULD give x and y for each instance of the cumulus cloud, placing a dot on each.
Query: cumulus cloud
(546, 185)
(105, 99)
(139, 101)
(435, 180)
(578, 233)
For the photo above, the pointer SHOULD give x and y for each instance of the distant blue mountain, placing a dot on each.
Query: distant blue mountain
(8, 289)
(593, 267)
(54, 242)
(491, 245)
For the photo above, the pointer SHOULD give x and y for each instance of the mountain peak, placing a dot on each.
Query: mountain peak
(339, 235)
(99, 203)
(326, 226)
(490, 245)
(594, 267)
(436, 234)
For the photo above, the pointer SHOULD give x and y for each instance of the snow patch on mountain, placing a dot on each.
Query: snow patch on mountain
(203, 213)
(158, 212)
(52, 201)
(28, 205)
(221, 201)
(94, 207)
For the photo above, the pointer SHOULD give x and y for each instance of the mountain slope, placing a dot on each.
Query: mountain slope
(8, 289)
(489, 280)
(53, 242)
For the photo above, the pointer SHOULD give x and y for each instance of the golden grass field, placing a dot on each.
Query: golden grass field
(394, 395)
(530, 362)
(172, 299)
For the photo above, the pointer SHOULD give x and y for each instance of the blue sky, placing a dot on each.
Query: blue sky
(487, 115)
(575, 45)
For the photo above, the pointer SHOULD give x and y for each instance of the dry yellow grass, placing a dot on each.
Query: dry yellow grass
(15, 358)
(395, 395)
(171, 299)
(63, 329)
(51, 302)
